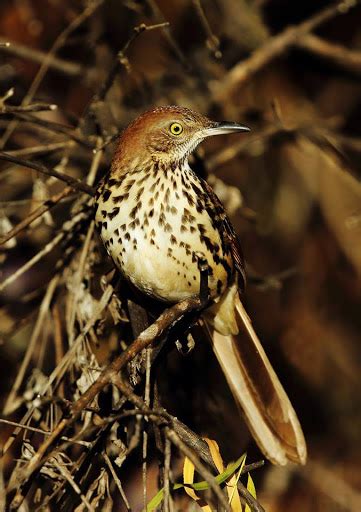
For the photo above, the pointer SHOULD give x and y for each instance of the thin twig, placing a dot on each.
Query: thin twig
(43, 432)
(117, 481)
(41, 149)
(51, 126)
(35, 107)
(332, 52)
(35, 214)
(73, 182)
(30, 263)
(64, 66)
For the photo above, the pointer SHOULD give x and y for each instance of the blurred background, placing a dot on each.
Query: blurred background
(289, 70)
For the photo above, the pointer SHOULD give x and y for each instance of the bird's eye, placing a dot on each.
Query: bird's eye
(176, 128)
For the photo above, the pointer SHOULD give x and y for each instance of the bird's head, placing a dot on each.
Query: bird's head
(169, 134)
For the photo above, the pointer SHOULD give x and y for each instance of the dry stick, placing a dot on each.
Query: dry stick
(335, 53)
(43, 310)
(73, 182)
(59, 42)
(122, 61)
(58, 343)
(35, 214)
(54, 127)
(165, 321)
(67, 475)
(145, 433)
(168, 33)
(212, 41)
(41, 149)
(117, 481)
(77, 280)
(30, 263)
(35, 107)
(43, 432)
(64, 66)
(167, 457)
(274, 47)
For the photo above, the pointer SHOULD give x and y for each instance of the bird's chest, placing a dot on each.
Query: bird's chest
(154, 225)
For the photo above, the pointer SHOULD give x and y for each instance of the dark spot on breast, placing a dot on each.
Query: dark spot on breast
(113, 213)
(106, 194)
(133, 212)
(161, 220)
(139, 193)
(120, 198)
(127, 236)
(173, 240)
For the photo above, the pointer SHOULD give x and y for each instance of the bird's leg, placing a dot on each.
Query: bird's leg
(204, 299)
(203, 268)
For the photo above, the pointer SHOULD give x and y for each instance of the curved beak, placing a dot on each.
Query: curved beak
(225, 127)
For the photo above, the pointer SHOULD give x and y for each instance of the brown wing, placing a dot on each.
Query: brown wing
(228, 233)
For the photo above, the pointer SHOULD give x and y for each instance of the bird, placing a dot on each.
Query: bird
(156, 217)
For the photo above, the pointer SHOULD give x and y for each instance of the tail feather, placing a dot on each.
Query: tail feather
(257, 389)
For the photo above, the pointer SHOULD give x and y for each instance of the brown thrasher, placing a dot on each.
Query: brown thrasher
(155, 216)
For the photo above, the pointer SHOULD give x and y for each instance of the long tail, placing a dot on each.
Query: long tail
(256, 388)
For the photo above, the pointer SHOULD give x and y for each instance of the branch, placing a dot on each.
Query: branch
(35, 107)
(274, 47)
(73, 182)
(64, 66)
(53, 127)
(335, 53)
(46, 206)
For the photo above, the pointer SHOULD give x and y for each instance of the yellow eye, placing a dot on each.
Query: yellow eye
(176, 128)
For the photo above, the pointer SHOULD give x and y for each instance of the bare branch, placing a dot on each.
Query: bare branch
(332, 52)
(274, 47)
(63, 66)
(73, 182)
